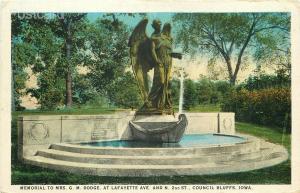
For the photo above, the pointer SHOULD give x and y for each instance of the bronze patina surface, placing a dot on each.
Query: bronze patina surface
(148, 53)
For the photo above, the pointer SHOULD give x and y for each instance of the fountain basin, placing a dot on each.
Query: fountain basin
(107, 160)
(70, 143)
(37, 132)
(194, 140)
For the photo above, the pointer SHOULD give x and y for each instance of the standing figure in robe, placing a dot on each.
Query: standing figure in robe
(154, 52)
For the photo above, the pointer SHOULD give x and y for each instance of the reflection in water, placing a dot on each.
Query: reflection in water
(186, 141)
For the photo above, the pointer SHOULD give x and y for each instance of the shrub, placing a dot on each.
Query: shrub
(190, 94)
(265, 81)
(124, 92)
(212, 92)
(267, 106)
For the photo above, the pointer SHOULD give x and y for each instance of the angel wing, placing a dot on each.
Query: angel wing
(140, 55)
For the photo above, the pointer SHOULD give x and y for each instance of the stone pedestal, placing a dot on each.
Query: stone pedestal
(158, 128)
(155, 118)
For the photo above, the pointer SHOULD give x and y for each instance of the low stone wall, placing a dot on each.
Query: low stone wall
(38, 132)
(210, 123)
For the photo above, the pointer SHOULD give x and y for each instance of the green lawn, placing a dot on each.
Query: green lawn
(279, 174)
(270, 134)
(206, 108)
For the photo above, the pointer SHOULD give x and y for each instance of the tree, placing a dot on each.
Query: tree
(107, 57)
(215, 71)
(61, 45)
(265, 81)
(58, 41)
(190, 94)
(230, 35)
(83, 90)
(20, 59)
(175, 90)
(50, 91)
(44, 59)
(206, 91)
(277, 58)
(23, 54)
(124, 92)
(70, 28)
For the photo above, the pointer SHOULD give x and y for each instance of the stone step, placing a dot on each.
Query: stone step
(160, 170)
(245, 147)
(271, 158)
(152, 160)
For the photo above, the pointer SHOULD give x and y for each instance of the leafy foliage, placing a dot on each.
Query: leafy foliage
(270, 106)
(201, 92)
(107, 58)
(50, 92)
(83, 90)
(175, 90)
(263, 81)
(124, 92)
(46, 64)
(229, 36)
(190, 94)
(22, 55)
(99, 46)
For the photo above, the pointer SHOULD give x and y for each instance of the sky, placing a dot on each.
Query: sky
(133, 21)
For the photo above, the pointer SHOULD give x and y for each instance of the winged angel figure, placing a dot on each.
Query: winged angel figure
(155, 52)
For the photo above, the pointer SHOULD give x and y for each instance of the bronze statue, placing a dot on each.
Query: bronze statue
(154, 52)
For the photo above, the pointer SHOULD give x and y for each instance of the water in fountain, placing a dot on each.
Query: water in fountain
(193, 140)
(181, 92)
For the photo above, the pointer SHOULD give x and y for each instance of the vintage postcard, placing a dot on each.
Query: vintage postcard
(149, 96)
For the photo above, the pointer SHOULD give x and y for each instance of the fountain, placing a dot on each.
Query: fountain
(181, 92)
(153, 141)
(152, 121)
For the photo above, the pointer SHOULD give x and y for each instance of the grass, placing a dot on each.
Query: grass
(279, 174)
(269, 134)
(206, 108)
(201, 108)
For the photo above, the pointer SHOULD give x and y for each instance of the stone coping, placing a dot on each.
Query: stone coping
(112, 115)
(68, 117)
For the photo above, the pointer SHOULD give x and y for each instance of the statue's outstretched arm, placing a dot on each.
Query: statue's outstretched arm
(176, 55)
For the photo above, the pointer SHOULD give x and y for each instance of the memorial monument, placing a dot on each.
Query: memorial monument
(148, 53)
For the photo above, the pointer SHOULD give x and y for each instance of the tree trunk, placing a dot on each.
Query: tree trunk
(69, 72)
(239, 61)
(231, 75)
(232, 80)
(69, 88)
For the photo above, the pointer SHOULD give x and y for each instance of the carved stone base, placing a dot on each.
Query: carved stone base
(154, 111)
(159, 131)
